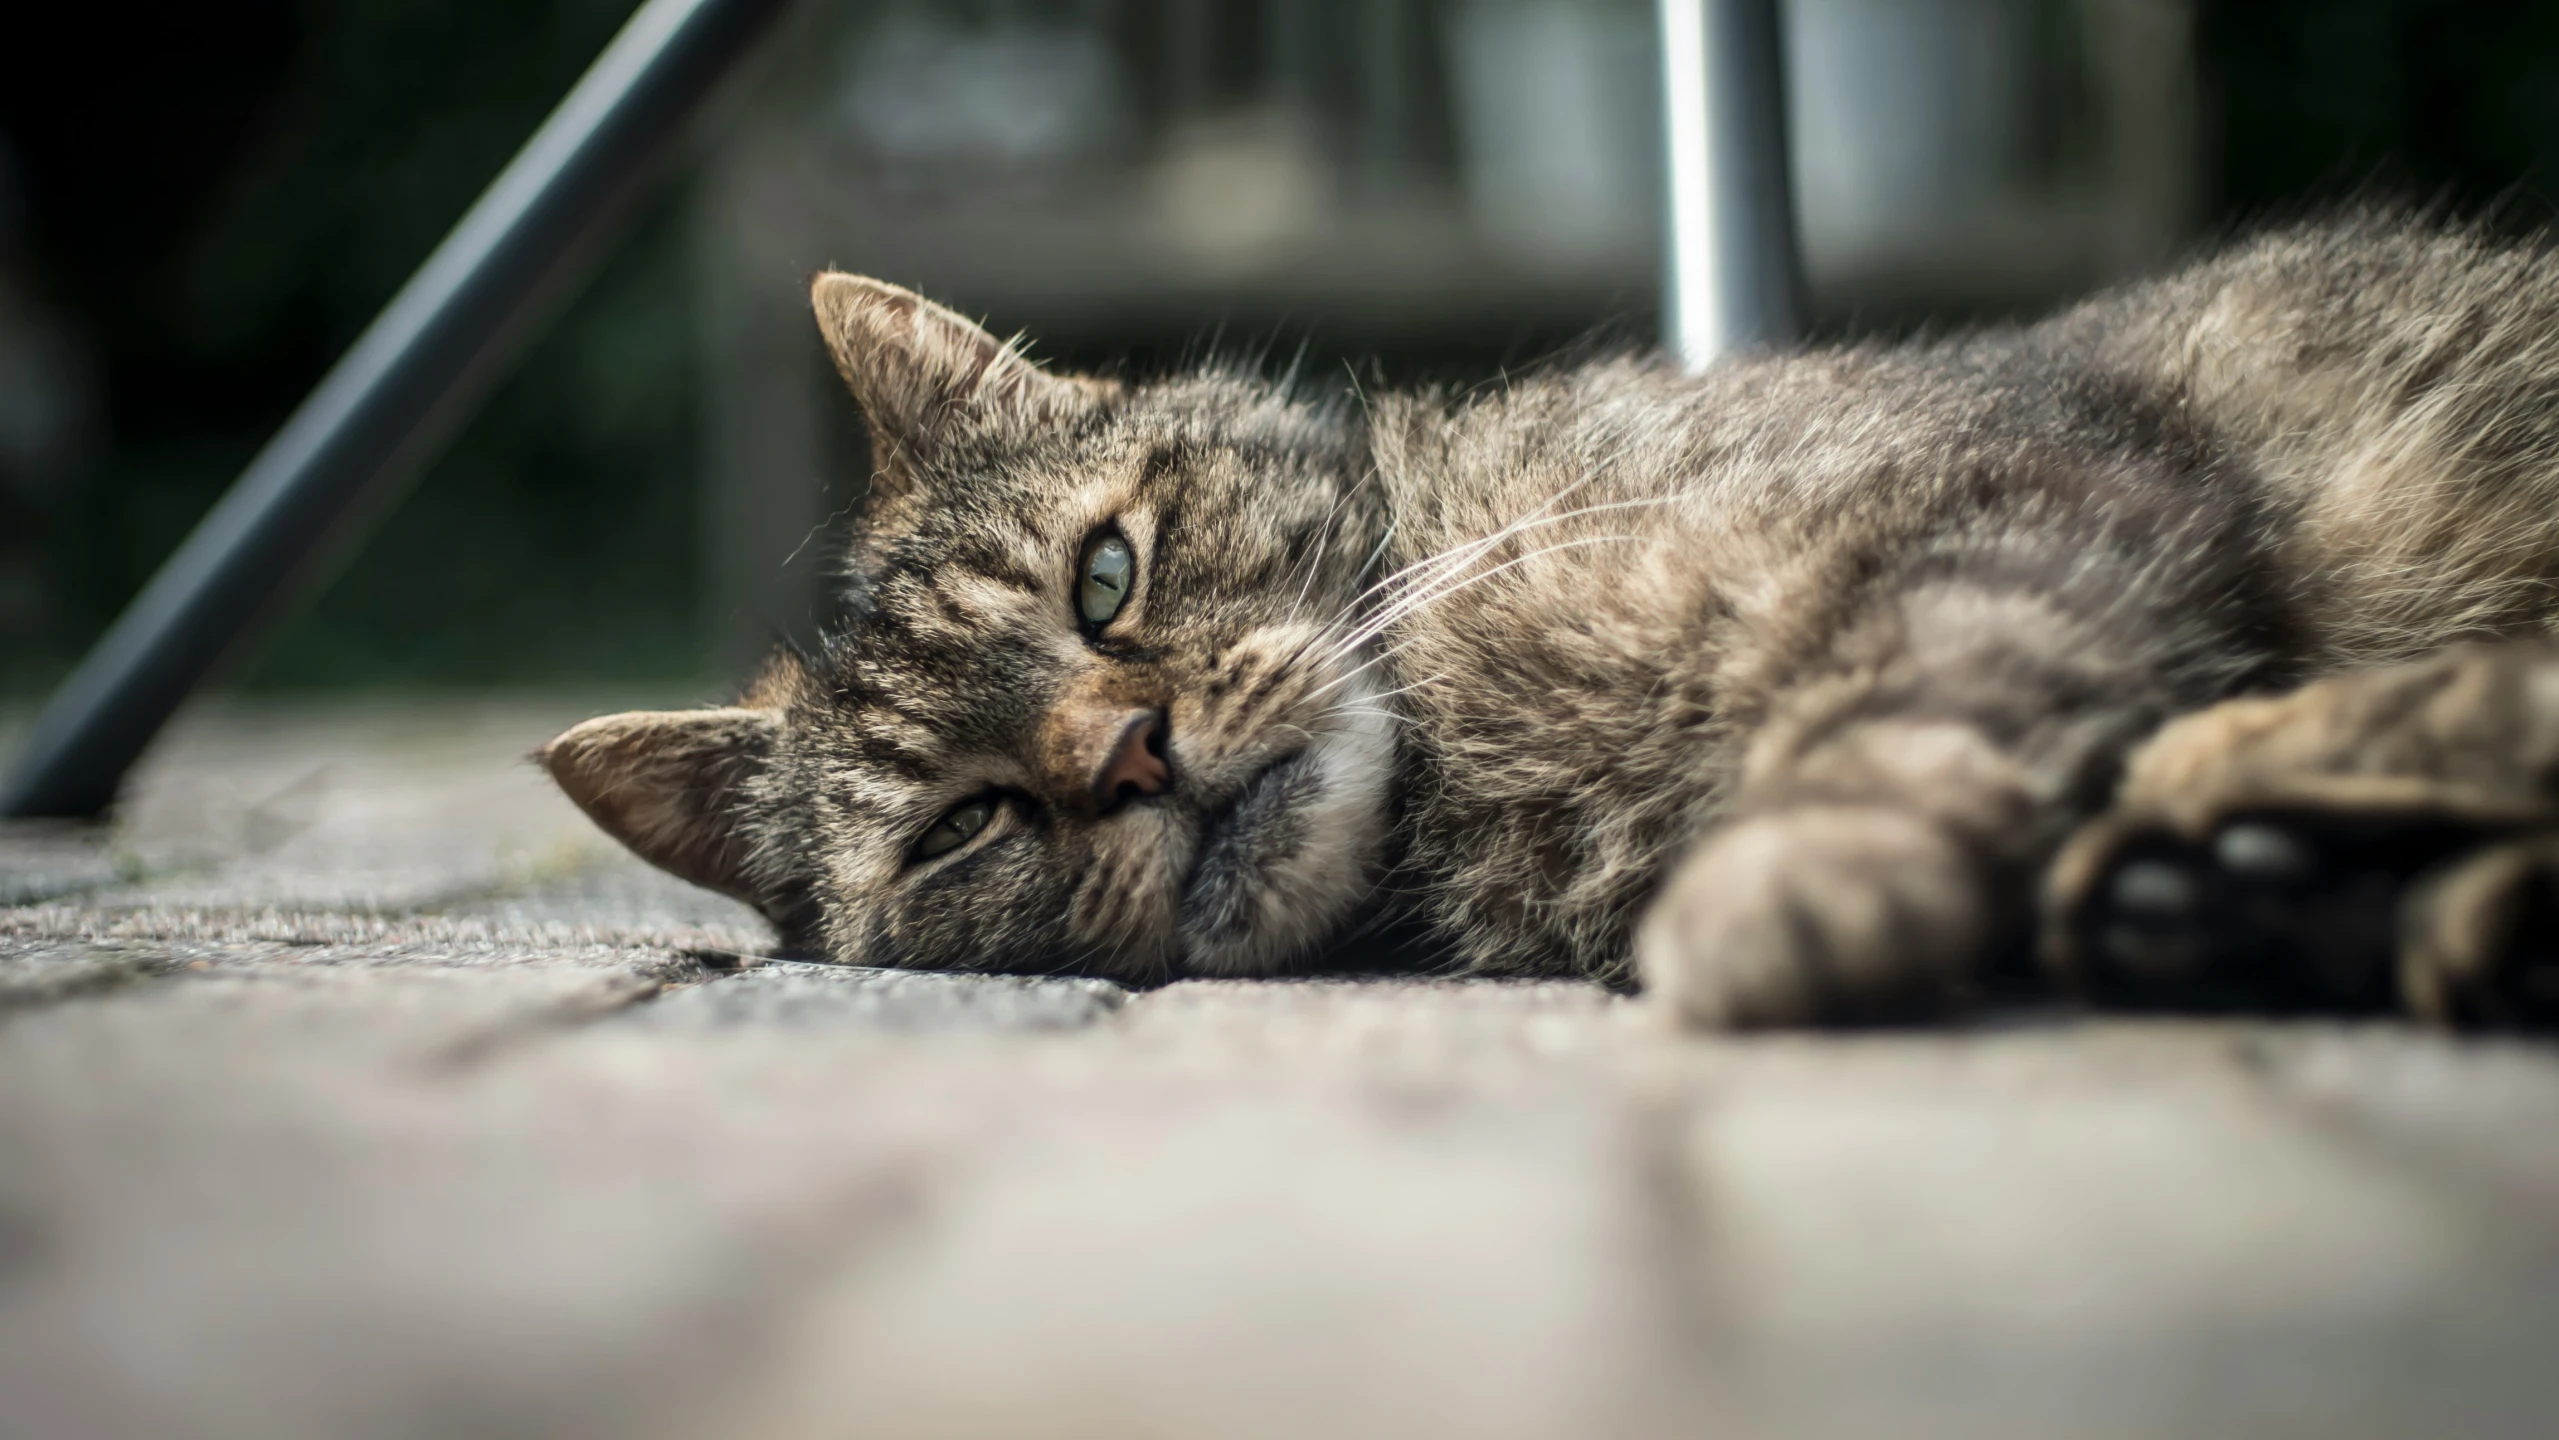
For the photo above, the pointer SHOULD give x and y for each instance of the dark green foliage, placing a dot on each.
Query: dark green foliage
(2436, 101)
(555, 537)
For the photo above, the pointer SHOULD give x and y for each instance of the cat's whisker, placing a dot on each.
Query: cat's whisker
(1315, 566)
(1356, 671)
(1409, 687)
(1371, 712)
(1408, 574)
(1456, 558)
(1421, 602)
(1459, 553)
(1378, 551)
(1366, 665)
(1415, 604)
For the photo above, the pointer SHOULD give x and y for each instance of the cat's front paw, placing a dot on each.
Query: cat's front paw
(2479, 939)
(2368, 840)
(1832, 914)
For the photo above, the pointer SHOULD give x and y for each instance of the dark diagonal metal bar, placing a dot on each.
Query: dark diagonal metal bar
(1734, 279)
(364, 433)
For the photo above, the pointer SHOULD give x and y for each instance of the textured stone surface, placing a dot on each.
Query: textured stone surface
(38, 972)
(392, 1102)
(786, 994)
(40, 860)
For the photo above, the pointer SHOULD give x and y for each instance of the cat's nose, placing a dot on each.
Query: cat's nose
(1135, 766)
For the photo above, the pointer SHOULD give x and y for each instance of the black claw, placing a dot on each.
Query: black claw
(2155, 891)
(2155, 930)
(2265, 854)
(2289, 911)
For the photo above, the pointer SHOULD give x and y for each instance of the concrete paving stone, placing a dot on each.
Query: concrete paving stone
(40, 860)
(369, 805)
(399, 1010)
(603, 900)
(2478, 1114)
(42, 972)
(1183, 1244)
(791, 995)
(385, 937)
(335, 1202)
(2097, 1230)
(613, 893)
(351, 1085)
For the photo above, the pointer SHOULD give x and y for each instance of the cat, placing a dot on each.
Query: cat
(1772, 690)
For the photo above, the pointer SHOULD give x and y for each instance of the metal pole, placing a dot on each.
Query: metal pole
(1733, 279)
(365, 432)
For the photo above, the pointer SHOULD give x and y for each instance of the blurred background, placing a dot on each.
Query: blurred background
(200, 206)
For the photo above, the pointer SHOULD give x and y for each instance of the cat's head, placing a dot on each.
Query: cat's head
(1089, 707)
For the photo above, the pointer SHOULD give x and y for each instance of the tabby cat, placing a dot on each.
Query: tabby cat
(1774, 690)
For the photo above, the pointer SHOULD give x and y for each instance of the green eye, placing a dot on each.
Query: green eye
(956, 828)
(1103, 579)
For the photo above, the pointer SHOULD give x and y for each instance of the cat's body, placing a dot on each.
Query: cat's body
(1784, 680)
(1959, 578)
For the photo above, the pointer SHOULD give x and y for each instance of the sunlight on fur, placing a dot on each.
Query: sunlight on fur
(1818, 657)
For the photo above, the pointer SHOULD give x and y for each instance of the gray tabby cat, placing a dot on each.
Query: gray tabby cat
(1775, 689)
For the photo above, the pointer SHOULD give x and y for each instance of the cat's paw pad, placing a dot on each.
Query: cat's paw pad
(2290, 909)
(2263, 853)
(1805, 916)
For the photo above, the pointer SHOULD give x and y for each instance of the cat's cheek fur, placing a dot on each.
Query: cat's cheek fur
(1125, 909)
(1302, 894)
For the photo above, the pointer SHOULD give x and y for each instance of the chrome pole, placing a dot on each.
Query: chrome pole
(1733, 279)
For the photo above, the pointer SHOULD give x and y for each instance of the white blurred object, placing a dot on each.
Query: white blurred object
(1231, 190)
(1908, 114)
(1557, 107)
(922, 95)
(1989, 151)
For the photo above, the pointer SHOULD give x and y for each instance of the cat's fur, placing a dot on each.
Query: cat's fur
(1774, 687)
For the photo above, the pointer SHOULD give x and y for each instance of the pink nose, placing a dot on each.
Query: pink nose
(1135, 767)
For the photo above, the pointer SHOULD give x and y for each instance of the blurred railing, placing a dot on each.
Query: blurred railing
(362, 434)
(1403, 173)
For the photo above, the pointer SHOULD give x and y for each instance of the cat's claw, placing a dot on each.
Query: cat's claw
(2288, 911)
(1814, 915)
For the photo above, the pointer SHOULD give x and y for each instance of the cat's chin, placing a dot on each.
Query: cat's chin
(1283, 865)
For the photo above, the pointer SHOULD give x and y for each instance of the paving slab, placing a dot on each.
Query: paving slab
(43, 859)
(350, 1086)
(787, 995)
(2101, 1230)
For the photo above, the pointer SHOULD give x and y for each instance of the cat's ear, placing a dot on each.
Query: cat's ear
(669, 783)
(913, 364)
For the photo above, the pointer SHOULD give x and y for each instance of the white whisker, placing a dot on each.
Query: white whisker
(1410, 605)
(1446, 562)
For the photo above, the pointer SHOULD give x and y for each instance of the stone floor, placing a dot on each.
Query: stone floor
(353, 1087)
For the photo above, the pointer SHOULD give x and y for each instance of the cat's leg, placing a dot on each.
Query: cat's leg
(1869, 872)
(1818, 913)
(2379, 837)
(2479, 938)
(1884, 838)
(1927, 727)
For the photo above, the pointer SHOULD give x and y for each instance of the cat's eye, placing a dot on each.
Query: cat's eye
(956, 828)
(1103, 578)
